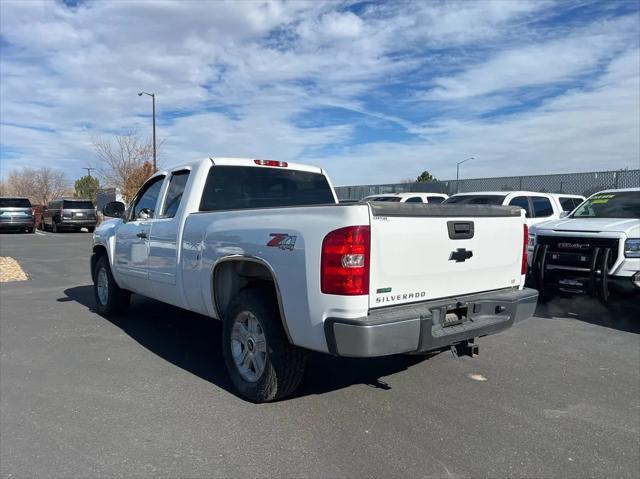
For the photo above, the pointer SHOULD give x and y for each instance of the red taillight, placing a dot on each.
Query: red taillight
(525, 241)
(344, 267)
(281, 164)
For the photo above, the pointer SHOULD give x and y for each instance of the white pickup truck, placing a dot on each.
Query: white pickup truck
(593, 250)
(538, 207)
(264, 246)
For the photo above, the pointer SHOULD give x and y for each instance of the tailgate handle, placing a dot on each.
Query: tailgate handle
(460, 229)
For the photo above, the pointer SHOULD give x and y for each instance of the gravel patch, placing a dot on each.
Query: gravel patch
(10, 270)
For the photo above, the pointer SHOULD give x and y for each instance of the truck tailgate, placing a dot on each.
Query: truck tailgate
(421, 252)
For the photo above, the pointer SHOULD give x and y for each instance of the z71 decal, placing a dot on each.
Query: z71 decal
(282, 241)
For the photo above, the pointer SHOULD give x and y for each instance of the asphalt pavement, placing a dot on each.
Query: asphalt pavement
(147, 394)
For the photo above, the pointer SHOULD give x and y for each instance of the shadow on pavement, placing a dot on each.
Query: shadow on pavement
(620, 313)
(193, 343)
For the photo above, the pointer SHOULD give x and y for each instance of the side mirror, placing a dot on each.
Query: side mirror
(564, 214)
(113, 209)
(145, 214)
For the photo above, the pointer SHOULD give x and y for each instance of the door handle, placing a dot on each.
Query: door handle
(142, 234)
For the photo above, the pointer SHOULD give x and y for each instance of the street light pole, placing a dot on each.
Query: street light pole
(458, 172)
(153, 103)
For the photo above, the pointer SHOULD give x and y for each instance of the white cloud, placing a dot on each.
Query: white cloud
(242, 78)
(592, 129)
(558, 60)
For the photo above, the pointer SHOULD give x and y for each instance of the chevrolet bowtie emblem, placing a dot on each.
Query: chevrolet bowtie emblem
(460, 255)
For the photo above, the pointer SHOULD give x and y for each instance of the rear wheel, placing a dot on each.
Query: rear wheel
(261, 362)
(109, 297)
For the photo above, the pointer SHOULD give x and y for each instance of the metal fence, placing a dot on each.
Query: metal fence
(573, 183)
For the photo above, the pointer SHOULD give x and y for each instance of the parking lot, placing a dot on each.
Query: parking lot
(147, 394)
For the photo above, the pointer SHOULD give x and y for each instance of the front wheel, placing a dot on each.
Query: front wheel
(261, 362)
(54, 226)
(109, 297)
(91, 229)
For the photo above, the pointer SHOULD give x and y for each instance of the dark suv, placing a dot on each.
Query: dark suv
(16, 214)
(69, 214)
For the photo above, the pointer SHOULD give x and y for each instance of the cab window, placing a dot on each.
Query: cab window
(177, 184)
(522, 202)
(147, 198)
(435, 199)
(414, 199)
(541, 207)
(569, 204)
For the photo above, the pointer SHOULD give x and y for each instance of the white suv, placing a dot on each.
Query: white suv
(538, 207)
(433, 198)
(594, 249)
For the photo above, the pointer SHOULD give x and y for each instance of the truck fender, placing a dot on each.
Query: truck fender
(227, 279)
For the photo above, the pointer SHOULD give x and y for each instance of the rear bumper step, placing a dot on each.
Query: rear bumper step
(427, 326)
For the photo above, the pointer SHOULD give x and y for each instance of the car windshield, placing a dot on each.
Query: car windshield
(14, 203)
(475, 200)
(77, 205)
(624, 204)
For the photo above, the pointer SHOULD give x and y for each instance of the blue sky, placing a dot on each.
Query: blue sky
(374, 92)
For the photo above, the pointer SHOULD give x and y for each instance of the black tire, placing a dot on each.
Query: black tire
(54, 226)
(285, 363)
(29, 230)
(91, 229)
(117, 299)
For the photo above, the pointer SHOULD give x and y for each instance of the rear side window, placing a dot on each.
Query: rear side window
(244, 187)
(542, 207)
(177, 184)
(77, 205)
(14, 203)
(569, 204)
(475, 200)
(385, 198)
(522, 202)
(414, 199)
(435, 199)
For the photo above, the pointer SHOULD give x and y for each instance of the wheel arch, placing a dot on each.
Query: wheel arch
(98, 252)
(231, 274)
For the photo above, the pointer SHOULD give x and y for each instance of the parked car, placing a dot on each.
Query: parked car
(538, 207)
(264, 246)
(594, 249)
(435, 198)
(69, 214)
(16, 214)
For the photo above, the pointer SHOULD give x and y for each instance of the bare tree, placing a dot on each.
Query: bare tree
(122, 158)
(136, 179)
(40, 185)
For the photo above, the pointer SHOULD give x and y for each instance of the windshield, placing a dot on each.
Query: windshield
(77, 205)
(14, 203)
(624, 204)
(475, 200)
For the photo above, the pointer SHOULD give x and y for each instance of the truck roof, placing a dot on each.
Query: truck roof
(619, 190)
(250, 162)
(409, 193)
(516, 192)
